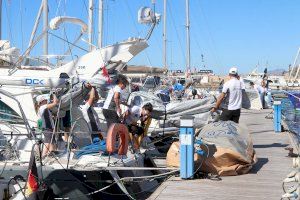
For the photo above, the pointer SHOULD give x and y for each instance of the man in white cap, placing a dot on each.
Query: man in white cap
(47, 121)
(231, 97)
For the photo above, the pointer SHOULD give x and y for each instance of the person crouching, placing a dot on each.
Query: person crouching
(131, 118)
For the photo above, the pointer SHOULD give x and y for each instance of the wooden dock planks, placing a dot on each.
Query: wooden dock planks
(263, 182)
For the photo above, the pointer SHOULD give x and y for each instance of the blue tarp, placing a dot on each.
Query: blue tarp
(97, 146)
(178, 87)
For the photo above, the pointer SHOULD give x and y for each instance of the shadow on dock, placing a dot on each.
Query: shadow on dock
(260, 163)
(269, 145)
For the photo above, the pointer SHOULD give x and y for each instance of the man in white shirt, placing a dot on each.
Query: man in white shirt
(231, 96)
(47, 121)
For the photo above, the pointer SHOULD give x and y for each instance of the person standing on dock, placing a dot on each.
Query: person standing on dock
(47, 122)
(261, 91)
(231, 97)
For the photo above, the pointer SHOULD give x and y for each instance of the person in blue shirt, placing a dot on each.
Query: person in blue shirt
(177, 89)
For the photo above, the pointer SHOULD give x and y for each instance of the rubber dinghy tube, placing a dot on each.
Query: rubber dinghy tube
(113, 131)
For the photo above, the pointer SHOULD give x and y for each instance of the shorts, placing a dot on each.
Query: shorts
(48, 136)
(230, 115)
(135, 130)
(66, 120)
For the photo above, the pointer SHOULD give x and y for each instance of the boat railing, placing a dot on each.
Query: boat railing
(291, 94)
(9, 95)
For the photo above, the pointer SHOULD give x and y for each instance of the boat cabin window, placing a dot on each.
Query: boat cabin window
(9, 115)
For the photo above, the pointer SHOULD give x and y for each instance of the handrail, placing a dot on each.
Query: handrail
(291, 94)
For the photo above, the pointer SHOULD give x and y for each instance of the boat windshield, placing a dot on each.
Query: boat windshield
(9, 115)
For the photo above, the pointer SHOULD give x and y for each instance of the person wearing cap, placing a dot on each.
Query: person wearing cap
(131, 117)
(231, 97)
(47, 121)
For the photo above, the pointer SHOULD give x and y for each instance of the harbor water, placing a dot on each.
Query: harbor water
(291, 115)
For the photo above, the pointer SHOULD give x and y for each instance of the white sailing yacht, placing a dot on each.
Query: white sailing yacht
(68, 177)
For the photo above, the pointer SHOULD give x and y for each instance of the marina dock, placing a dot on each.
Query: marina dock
(264, 180)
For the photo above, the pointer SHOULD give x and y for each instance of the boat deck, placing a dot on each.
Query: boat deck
(264, 180)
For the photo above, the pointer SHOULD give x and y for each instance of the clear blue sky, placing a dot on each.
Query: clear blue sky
(228, 32)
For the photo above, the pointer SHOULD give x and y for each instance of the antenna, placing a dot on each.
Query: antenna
(165, 36)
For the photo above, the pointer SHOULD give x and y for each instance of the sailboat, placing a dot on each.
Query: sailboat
(95, 175)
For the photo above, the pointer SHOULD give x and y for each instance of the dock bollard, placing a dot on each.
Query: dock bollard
(277, 116)
(186, 136)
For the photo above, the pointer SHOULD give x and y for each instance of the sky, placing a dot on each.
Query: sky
(242, 33)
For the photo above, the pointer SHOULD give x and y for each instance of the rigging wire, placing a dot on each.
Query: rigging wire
(22, 33)
(212, 41)
(138, 32)
(8, 21)
(70, 43)
(132, 18)
(176, 30)
(124, 179)
(130, 179)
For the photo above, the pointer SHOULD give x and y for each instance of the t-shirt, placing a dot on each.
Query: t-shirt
(233, 88)
(91, 117)
(46, 117)
(259, 88)
(134, 114)
(109, 101)
(178, 87)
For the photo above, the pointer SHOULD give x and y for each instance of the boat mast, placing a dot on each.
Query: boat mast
(188, 67)
(294, 65)
(100, 24)
(90, 24)
(36, 23)
(45, 26)
(165, 36)
(0, 19)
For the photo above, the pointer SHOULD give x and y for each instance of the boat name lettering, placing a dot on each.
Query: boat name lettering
(34, 81)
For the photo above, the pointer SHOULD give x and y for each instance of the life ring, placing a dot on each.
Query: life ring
(113, 131)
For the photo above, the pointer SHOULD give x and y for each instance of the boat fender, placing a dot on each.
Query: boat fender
(113, 131)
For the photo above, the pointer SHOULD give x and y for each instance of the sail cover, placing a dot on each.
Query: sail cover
(235, 154)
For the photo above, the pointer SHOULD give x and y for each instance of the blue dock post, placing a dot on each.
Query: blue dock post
(277, 116)
(186, 136)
